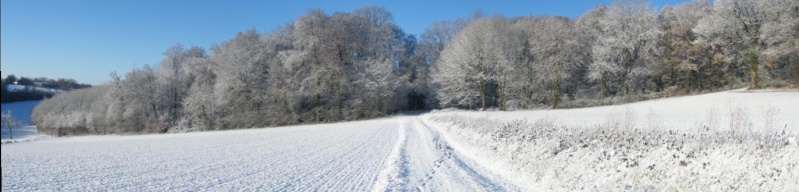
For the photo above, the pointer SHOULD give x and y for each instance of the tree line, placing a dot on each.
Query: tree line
(346, 66)
(30, 92)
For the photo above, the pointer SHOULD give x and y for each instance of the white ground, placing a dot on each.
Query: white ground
(774, 110)
(388, 154)
(404, 153)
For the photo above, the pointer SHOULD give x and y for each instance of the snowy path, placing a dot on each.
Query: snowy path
(426, 162)
(388, 154)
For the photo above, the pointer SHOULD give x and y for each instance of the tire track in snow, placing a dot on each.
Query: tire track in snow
(392, 177)
(449, 170)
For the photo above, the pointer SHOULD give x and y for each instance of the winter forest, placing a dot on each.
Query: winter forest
(345, 66)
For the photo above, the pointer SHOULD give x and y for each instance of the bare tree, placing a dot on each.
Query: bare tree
(10, 122)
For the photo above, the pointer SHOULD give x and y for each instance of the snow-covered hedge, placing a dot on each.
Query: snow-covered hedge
(541, 155)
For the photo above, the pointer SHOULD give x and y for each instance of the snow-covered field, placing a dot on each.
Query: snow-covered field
(388, 154)
(755, 110)
(22, 112)
(627, 147)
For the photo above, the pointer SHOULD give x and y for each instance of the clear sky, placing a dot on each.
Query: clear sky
(87, 39)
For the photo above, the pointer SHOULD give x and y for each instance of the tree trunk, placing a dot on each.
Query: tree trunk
(796, 70)
(697, 75)
(603, 86)
(671, 73)
(628, 68)
(483, 95)
(10, 134)
(155, 111)
(753, 69)
(318, 107)
(711, 77)
(287, 109)
(687, 81)
(379, 100)
(627, 82)
(556, 95)
(501, 97)
(340, 102)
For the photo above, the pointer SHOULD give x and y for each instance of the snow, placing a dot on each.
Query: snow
(616, 148)
(380, 155)
(542, 156)
(759, 110)
(424, 161)
(22, 112)
(644, 146)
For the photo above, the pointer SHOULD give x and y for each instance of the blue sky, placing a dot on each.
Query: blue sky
(87, 39)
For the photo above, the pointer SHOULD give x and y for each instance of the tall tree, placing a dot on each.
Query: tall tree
(557, 53)
(626, 40)
(432, 43)
(736, 24)
(780, 35)
(679, 50)
(468, 64)
(171, 80)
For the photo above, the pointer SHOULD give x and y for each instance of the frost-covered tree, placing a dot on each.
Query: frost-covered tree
(285, 71)
(557, 54)
(590, 27)
(341, 66)
(506, 45)
(679, 50)
(468, 65)
(432, 43)
(240, 89)
(736, 25)
(628, 31)
(171, 79)
(199, 105)
(308, 35)
(380, 86)
(780, 35)
(143, 108)
(9, 122)
(522, 91)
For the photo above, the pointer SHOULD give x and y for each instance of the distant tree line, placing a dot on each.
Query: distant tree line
(30, 93)
(347, 66)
